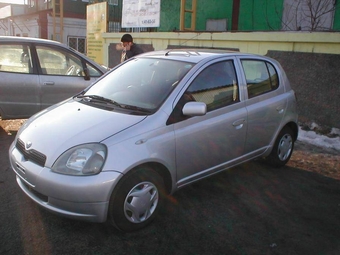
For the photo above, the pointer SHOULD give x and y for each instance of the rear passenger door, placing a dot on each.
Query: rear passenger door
(19, 83)
(206, 144)
(266, 103)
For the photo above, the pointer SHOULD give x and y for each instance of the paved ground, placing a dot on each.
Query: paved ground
(251, 209)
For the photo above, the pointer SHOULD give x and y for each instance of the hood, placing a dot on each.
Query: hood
(71, 123)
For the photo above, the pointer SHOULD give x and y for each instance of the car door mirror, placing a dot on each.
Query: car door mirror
(195, 109)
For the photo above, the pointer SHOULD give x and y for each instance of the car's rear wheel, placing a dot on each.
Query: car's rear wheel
(283, 148)
(136, 200)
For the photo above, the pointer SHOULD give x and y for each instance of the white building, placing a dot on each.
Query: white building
(58, 20)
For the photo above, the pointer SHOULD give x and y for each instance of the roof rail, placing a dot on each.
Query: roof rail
(185, 52)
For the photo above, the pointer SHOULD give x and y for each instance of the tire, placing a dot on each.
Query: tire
(283, 148)
(136, 200)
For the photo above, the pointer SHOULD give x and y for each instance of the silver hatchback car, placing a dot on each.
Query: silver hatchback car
(37, 73)
(150, 126)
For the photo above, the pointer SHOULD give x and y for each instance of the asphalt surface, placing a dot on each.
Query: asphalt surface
(250, 209)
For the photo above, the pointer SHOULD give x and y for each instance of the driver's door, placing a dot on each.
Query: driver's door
(207, 144)
(61, 76)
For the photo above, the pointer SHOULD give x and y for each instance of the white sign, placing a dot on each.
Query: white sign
(141, 13)
(5, 12)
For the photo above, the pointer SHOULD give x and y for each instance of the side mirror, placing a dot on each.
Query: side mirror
(195, 109)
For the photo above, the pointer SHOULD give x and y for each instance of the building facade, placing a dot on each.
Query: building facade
(58, 20)
(65, 20)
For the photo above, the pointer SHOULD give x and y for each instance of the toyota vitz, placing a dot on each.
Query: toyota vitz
(150, 126)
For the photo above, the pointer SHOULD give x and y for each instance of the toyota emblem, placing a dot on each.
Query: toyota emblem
(28, 145)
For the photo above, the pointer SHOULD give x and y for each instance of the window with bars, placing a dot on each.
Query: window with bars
(77, 43)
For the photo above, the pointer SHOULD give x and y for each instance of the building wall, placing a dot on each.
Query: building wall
(170, 15)
(336, 22)
(260, 15)
(35, 20)
(300, 15)
(313, 76)
(257, 16)
(72, 28)
(213, 9)
(252, 42)
(75, 7)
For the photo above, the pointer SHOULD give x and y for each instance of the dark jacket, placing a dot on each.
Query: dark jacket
(134, 50)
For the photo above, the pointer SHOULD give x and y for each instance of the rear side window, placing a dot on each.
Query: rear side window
(261, 77)
(15, 58)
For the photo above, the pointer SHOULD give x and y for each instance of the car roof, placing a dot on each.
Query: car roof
(27, 39)
(194, 55)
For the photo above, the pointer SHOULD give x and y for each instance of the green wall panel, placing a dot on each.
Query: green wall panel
(336, 24)
(170, 15)
(255, 15)
(213, 9)
(260, 15)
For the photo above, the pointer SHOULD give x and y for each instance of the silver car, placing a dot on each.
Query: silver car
(150, 126)
(37, 73)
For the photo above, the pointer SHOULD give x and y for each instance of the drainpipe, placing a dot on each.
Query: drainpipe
(235, 15)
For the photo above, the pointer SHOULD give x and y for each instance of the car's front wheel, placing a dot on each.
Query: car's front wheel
(136, 200)
(283, 148)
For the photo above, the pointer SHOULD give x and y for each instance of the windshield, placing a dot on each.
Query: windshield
(142, 82)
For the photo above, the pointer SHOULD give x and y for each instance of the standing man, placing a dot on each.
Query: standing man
(130, 49)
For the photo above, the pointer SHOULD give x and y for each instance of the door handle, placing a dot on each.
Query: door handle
(238, 124)
(279, 110)
(49, 83)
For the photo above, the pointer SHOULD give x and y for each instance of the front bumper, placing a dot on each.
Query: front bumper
(77, 197)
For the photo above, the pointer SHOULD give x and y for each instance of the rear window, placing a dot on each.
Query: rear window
(15, 58)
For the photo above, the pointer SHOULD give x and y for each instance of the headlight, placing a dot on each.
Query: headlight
(85, 159)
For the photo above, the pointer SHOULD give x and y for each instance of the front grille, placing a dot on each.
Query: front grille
(31, 155)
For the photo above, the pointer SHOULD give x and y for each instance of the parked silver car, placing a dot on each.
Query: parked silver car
(152, 125)
(37, 73)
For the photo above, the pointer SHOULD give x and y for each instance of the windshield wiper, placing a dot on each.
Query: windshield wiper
(100, 99)
(136, 108)
(107, 100)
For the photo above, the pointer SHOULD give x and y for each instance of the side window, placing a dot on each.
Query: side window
(261, 77)
(93, 72)
(216, 86)
(15, 58)
(58, 62)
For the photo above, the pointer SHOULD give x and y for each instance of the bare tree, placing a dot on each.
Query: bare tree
(308, 15)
